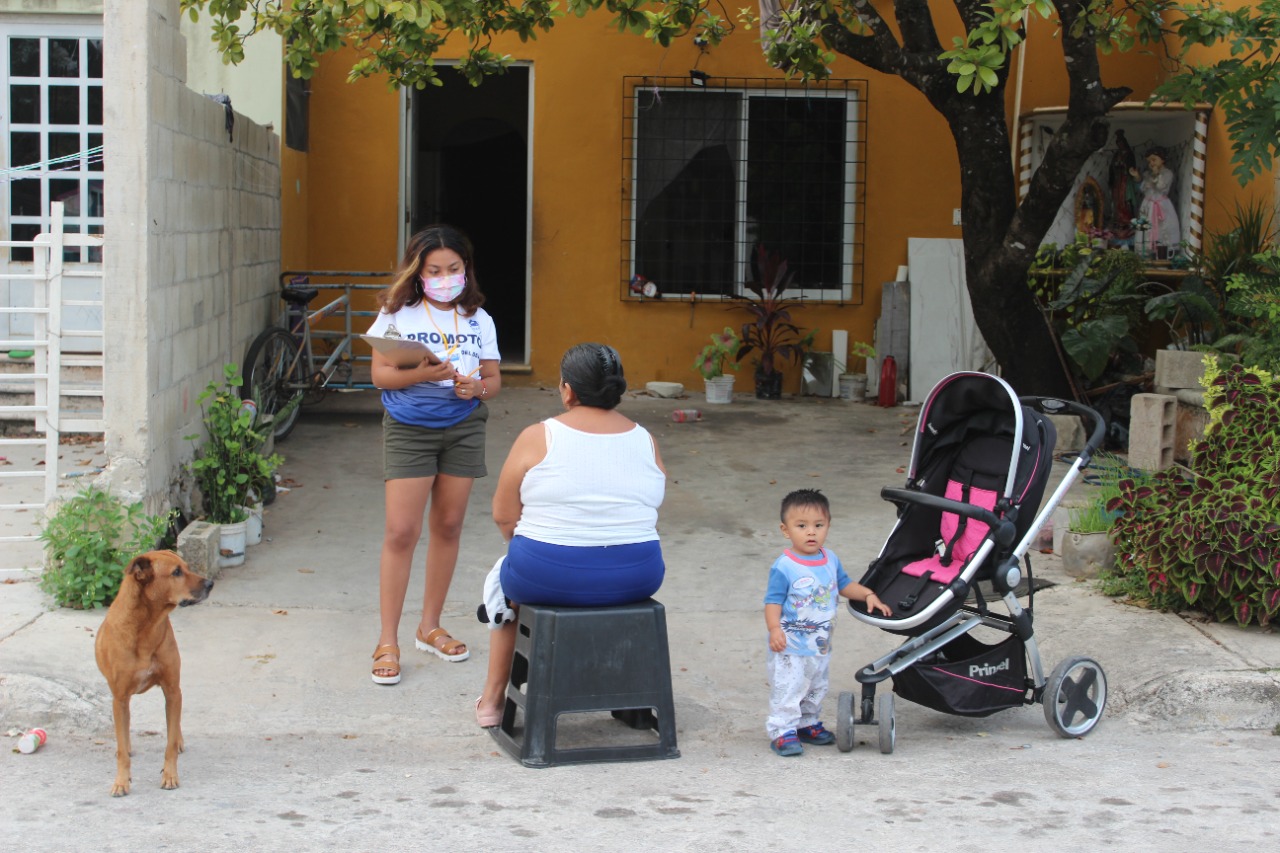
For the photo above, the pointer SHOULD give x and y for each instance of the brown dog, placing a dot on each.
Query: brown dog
(136, 650)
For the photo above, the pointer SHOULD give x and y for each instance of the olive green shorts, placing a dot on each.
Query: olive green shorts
(414, 451)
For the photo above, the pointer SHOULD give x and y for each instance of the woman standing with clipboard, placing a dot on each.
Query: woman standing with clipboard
(433, 430)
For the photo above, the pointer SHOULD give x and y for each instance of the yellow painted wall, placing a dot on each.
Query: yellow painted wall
(349, 196)
(341, 199)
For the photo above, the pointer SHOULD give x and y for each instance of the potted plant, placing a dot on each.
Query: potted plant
(769, 333)
(853, 382)
(712, 362)
(229, 468)
(1087, 549)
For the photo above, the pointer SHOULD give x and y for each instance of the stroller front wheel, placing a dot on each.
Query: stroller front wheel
(844, 722)
(1074, 697)
(888, 724)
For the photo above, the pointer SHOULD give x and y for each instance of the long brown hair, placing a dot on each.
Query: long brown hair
(406, 288)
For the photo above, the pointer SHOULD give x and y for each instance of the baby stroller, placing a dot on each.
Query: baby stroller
(970, 511)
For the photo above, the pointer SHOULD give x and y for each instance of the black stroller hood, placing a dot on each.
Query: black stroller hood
(972, 421)
(964, 406)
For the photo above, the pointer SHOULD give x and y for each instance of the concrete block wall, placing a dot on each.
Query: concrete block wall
(192, 256)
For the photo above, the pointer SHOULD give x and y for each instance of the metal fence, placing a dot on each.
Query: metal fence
(34, 405)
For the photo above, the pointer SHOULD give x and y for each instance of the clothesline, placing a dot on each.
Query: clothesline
(45, 167)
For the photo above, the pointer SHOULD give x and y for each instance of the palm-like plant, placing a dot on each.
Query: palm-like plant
(770, 331)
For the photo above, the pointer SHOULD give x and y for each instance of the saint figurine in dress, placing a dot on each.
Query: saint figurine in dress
(1157, 208)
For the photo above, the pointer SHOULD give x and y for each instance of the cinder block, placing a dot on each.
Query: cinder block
(198, 545)
(1152, 431)
(1193, 419)
(1070, 433)
(1178, 369)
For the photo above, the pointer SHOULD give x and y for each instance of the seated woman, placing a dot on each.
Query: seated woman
(578, 502)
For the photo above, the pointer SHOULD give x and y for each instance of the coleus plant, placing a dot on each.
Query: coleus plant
(1212, 537)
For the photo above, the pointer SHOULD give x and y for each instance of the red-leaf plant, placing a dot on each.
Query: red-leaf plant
(1213, 537)
(770, 331)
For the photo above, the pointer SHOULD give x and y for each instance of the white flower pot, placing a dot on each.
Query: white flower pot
(720, 390)
(231, 544)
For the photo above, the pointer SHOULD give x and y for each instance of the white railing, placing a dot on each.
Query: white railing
(39, 376)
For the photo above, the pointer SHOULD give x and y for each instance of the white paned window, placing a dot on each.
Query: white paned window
(726, 168)
(51, 131)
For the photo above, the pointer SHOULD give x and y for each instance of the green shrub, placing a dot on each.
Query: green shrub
(88, 543)
(1211, 538)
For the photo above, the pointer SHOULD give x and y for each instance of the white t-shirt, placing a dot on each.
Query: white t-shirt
(592, 489)
(462, 341)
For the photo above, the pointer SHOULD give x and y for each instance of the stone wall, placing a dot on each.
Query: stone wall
(192, 246)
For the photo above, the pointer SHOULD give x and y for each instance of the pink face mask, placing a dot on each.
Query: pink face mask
(445, 288)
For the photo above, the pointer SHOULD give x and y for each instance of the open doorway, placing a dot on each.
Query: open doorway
(469, 167)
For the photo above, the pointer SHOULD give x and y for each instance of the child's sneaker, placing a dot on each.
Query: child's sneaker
(816, 734)
(787, 744)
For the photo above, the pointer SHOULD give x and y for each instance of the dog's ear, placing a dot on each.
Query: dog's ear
(141, 569)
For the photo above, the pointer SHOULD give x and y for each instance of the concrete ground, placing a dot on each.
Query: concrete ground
(289, 744)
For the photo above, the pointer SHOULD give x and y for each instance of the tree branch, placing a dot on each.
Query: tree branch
(915, 21)
(879, 51)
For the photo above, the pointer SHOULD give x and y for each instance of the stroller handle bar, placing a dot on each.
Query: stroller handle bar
(1096, 425)
(1003, 529)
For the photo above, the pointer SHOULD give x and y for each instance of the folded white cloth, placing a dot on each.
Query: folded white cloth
(494, 610)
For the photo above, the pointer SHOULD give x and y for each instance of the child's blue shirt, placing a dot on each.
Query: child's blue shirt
(808, 588)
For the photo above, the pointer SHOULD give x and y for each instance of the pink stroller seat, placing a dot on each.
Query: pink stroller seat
(960, 536)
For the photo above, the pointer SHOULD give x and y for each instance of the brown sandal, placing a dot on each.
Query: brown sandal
(443, 646)
(386, 658)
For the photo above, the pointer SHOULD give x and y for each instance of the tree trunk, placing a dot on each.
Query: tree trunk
(996, 267)
(1001, 235)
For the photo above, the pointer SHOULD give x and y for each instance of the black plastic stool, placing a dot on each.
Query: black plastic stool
(582, 659)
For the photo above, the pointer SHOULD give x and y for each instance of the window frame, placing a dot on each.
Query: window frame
(853, 201)
(91, 182)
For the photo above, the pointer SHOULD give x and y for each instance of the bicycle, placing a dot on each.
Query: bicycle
(282, 370)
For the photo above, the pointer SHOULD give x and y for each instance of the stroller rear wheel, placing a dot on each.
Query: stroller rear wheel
(888, 724)
(1074, 696)
(844, 722)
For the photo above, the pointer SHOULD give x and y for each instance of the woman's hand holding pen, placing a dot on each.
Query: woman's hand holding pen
(468, 386)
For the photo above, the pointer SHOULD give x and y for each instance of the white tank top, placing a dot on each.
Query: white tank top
(592, 489)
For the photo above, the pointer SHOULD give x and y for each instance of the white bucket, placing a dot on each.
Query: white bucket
(231, 544)
(253, 525)
(720, 389)
(853, 386)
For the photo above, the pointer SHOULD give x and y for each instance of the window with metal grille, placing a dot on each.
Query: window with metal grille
(716, 170)
(51, 127)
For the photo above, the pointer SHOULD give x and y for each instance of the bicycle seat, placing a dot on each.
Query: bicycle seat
(298, 295)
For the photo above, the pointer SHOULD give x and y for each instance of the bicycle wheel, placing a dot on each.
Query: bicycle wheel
(273, 378)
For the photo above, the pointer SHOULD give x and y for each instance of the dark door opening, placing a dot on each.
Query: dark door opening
(470, 169)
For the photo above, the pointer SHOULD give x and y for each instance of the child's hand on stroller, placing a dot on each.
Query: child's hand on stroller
(874, 604)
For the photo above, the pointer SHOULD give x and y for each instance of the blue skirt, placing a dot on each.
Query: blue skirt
(595, 576)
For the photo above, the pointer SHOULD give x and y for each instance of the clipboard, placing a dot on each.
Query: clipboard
(402, 352)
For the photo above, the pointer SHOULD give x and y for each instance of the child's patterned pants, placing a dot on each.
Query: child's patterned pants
(797, 686)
